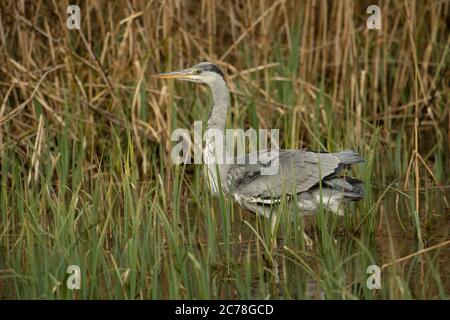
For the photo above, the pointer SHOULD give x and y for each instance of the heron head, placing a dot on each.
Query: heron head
(203, 72)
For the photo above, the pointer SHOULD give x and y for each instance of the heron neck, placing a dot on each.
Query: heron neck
(215, 148)
(221, 101)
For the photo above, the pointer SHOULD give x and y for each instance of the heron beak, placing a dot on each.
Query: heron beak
(182, 75)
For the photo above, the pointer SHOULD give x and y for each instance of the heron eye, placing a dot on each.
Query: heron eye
(198, 71)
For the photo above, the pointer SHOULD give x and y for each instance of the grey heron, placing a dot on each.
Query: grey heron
(308, 178)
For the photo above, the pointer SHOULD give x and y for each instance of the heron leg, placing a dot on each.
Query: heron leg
(308, 241)
(273, 231)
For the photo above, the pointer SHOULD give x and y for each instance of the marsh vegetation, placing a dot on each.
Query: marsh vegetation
(86, 174)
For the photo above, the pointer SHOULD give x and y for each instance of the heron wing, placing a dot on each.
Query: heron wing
(298, 171)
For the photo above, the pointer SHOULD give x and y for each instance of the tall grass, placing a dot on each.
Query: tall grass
(86, 174)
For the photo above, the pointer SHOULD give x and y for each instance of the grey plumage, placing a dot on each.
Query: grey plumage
(300, 173)
(305, 178)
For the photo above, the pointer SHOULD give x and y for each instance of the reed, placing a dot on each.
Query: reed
(87, 178)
